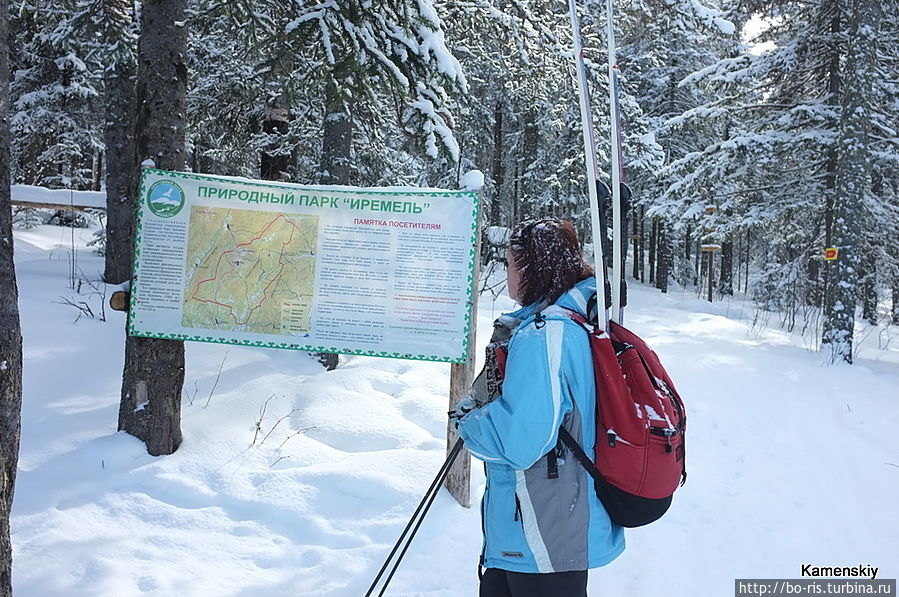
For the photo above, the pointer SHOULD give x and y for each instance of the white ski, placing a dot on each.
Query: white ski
(592, 172)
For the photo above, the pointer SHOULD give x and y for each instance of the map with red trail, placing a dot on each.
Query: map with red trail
(249, 271)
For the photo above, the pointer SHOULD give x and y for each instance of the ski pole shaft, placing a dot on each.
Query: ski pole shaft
(417, 524)
(616, 169)
(422, 509)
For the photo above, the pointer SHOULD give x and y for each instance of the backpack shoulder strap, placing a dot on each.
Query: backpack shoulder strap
(593, 310)
(579, 453)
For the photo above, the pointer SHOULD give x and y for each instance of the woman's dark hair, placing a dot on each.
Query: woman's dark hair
(547, 253)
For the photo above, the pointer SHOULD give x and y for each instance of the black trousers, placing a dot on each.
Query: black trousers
(502, 583)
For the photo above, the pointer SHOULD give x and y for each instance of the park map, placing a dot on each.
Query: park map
(250, 271)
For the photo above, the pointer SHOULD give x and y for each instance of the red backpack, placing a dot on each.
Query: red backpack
(640, 426)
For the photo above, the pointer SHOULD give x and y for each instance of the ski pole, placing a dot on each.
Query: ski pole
(425, 503)
(617, 169)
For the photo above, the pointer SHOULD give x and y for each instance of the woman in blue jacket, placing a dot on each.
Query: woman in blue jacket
(543, 524)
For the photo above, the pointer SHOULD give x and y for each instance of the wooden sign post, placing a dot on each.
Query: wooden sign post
(458, 482)
(710, 250)
(120, 300)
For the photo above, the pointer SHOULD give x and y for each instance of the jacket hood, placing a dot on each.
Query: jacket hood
(578, 298)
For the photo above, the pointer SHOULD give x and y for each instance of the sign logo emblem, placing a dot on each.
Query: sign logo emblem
(831, 253)
(165, 199)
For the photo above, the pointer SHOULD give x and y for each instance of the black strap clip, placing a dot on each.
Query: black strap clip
(552, 460)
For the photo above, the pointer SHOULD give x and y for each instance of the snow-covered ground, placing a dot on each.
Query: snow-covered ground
(295, 481)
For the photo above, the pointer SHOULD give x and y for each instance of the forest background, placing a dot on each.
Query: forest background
(766, 128)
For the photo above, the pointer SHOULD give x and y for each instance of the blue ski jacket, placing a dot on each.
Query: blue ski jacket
(540, 511)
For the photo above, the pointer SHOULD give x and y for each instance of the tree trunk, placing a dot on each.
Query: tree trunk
(746, 258)
(336, 164)
(653, 253)
(642, 244)
(813, 294)
(687, 242)
(497, 169)
(834, 87)
(516, 193)
(154, 369)
(623, 247)
(10, 331)
(663, 267)
(97, 171)
(852, 177)
(337, 141)
(530, 148)
(697, 264)
(121, 201)
(635, 235)
(895, 318)
(869, 288)
(274, 162)
(726, 278)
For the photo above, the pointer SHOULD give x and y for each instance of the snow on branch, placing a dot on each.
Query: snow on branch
(435, 126)
(712, 17)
